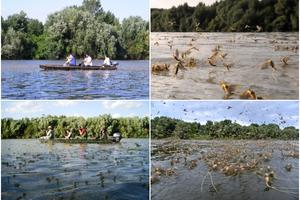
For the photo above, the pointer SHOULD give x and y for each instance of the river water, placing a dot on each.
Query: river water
(23, 79)
(34, 170)
(245, 51)
(193, 183)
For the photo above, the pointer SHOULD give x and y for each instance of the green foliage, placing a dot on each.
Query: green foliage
(80, 30)
(129, 127)
(164, 127)
(228, 15)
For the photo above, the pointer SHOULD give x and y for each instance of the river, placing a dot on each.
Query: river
(245, 53)
(34, 170)
(23, 79)
(213, 169)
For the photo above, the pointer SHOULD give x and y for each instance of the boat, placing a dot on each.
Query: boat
(77, 67)
(79, 141)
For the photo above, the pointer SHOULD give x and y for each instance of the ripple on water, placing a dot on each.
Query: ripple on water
(24, 80)
(43, 171)
(186, 183)
(247, 52)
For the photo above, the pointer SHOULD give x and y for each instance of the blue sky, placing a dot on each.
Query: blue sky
(243, 112)
(40, 9)
(170, 3)
(20, 109)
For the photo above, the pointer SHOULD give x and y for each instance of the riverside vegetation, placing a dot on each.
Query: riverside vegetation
(228, 15)
(165, 127)
(129, 127)
(77, 29)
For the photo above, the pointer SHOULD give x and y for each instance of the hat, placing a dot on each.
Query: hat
(49, 126)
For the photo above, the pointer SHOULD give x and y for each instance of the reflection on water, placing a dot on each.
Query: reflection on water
(25, 80)
(246, 51)
(35, 170)
(186, 182)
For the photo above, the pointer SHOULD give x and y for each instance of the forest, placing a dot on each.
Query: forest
(129, 127)
(165, 127)
(85, 29)
(228, 16)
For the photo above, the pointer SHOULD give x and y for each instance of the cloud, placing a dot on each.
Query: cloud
(65, 103)
(116, 115)
(121, 104)
(294, 117)
(24, 107)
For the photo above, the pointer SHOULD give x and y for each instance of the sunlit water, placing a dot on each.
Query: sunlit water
(246, 51)
(23, 79)
(34, 170)
(186, 183)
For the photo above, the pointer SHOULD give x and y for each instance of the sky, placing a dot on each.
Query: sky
(283, 113)
(40, 9)
(21, 109)
(170, 3)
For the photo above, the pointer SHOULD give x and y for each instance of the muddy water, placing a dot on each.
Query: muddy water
(34, 170)
(186, 183)
(246, 51)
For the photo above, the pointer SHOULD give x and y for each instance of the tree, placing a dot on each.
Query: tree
(164, 127)
(85, 29)
(228, 15)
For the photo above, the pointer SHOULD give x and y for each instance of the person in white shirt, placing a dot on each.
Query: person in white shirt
(107, 61)
(87, 60)
(49, 134)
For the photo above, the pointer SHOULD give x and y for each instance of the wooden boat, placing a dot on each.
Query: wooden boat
(77, 67)
(79, 141)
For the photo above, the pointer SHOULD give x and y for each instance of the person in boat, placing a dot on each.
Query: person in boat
(103, 135)
(49, 134)
(87, 61)
(107, 61)
(116, 137)
(69, 134)
(71, 60)
(82, 133)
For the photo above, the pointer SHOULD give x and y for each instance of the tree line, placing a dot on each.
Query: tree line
(85, 29)
(129, 127)
(228, 16)
(165, 127)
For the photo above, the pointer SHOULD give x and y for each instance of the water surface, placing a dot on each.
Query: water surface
(23, 79)
(186, 183)
(246, 51)
(35, 170)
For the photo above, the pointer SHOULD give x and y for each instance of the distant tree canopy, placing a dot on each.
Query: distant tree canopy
(78, 30)
(129, 127)
(164, 127)
(228, 16)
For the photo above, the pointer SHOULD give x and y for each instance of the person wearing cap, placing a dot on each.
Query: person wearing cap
(49, 134)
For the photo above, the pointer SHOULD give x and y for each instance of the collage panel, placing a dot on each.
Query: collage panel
(224, 150)
(230, 49)
(150, 99)
(75, 49)
(75, 150)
